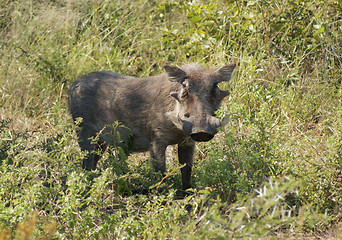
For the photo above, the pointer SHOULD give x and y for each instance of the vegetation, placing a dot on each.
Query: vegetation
(275, 171)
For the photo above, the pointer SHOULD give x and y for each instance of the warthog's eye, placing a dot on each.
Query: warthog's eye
(214, 89)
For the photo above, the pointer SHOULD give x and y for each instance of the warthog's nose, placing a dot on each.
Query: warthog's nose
(201, 136)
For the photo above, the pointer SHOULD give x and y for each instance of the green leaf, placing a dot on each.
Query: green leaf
(196, 19)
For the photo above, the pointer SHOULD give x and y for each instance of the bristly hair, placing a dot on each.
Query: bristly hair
(192, 67)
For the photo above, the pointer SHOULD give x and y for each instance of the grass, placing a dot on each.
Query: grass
(275, 171)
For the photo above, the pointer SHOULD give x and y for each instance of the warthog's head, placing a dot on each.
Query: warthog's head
(198, 97)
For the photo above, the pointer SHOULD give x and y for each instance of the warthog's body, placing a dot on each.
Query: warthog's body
(173, 108)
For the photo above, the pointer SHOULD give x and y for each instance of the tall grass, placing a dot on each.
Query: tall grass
(273, 172)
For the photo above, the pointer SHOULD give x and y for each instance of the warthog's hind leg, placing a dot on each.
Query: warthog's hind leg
(95, 149)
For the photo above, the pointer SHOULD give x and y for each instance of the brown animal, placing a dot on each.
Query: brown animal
(177, 107)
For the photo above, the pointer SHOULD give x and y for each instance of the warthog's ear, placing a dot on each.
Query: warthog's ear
(225, 72)
(175, 74)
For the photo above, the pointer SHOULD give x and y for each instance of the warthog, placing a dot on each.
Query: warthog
(177, 107)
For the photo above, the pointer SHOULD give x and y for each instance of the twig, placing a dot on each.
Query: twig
(278, 118)
(7, 139)
(166, 176)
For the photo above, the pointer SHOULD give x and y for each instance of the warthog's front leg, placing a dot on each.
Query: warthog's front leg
(157, 151)
(185, 155)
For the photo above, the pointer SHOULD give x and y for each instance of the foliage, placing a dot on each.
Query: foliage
(273, 172)
(242, 164)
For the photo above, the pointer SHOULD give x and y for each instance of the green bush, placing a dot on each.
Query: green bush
(240, 165)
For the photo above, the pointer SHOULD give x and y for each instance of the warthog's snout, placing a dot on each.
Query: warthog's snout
(204, 133)
(201, 136)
